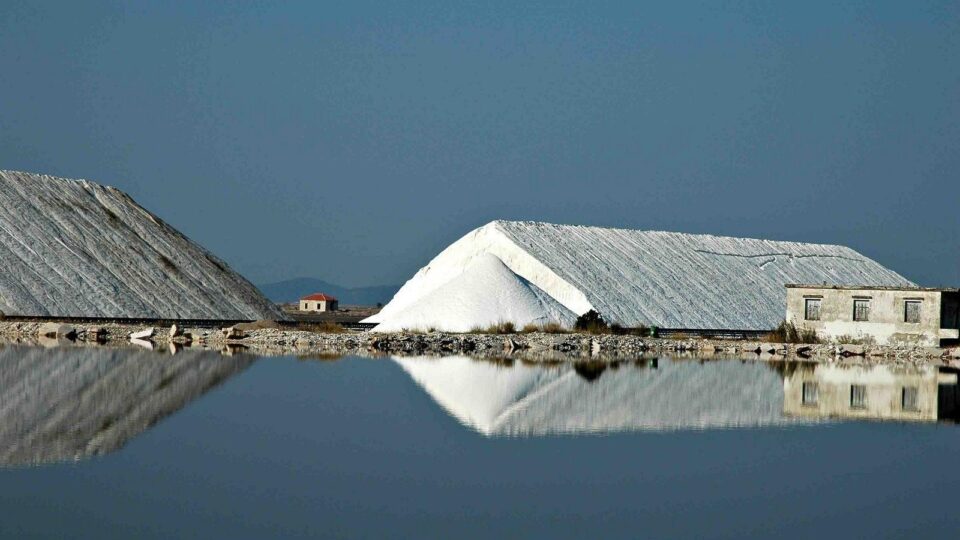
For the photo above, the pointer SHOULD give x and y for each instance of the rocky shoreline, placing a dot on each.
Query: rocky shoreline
(257, 339)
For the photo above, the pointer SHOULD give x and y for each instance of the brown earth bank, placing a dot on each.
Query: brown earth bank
(265, 338)
(345, 314)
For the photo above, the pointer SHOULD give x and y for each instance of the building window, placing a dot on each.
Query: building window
(811, 392)
(811, 309)
(861, 309)
(858, 396)
(911, 311)
(908, 398)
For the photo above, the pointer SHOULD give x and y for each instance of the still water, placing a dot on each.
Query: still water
(108, 443)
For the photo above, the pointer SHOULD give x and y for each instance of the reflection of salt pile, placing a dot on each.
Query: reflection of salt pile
(485, 293)
(70, 403)
(664, 279)
(76, 248)
(521, 400)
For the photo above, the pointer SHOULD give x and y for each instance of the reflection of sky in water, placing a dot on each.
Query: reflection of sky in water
(360, 448)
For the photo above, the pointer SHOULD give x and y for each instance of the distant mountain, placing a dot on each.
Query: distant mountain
(292, 290)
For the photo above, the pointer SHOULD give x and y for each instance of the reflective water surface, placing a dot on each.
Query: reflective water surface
(102, 443)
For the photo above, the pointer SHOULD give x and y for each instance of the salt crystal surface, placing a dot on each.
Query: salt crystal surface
(665, 279)
(76, 248)
(484, 294)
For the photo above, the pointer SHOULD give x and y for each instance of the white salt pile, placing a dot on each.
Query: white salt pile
(663, 279)
(484, 294)
(76, 248)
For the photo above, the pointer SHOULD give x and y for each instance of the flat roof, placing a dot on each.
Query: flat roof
(871, 288)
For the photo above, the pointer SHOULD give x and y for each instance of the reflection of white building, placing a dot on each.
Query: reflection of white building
(880, 392)
(519, 399)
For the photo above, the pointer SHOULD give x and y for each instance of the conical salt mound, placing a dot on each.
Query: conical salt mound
(484, 294)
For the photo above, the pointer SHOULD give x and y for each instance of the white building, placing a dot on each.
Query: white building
(318, 302)
(879, 315)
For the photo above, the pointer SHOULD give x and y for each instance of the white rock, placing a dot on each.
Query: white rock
(57, 330)
(233, 333)
(142, 343)
(143, 334)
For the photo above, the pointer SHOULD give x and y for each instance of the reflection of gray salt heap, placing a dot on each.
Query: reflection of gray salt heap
(71, 403)
(522, 400)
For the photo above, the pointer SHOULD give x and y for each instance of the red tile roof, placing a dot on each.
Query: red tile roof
(320, 297)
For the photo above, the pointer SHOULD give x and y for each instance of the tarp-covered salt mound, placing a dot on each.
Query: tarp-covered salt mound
(76, 248)
(531, 400)
(670, 280)
(484, 294)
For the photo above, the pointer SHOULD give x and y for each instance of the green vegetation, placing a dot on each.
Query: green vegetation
(591, 322)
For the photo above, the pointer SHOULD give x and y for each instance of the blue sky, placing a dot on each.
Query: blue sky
(352, 141)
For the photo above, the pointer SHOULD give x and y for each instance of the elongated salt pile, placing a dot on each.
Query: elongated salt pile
(666, 279)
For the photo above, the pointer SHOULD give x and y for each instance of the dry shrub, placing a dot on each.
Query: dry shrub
(546, 328)
(641, 331)
(325, 327)
(591, 322)
(847, 339)
(262, 324)
(553, 328)
(498, 328)
(786, 332)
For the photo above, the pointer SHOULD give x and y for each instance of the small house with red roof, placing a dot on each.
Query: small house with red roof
(318, 302)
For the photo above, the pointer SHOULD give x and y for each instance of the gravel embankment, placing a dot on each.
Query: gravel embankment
(534, 346)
